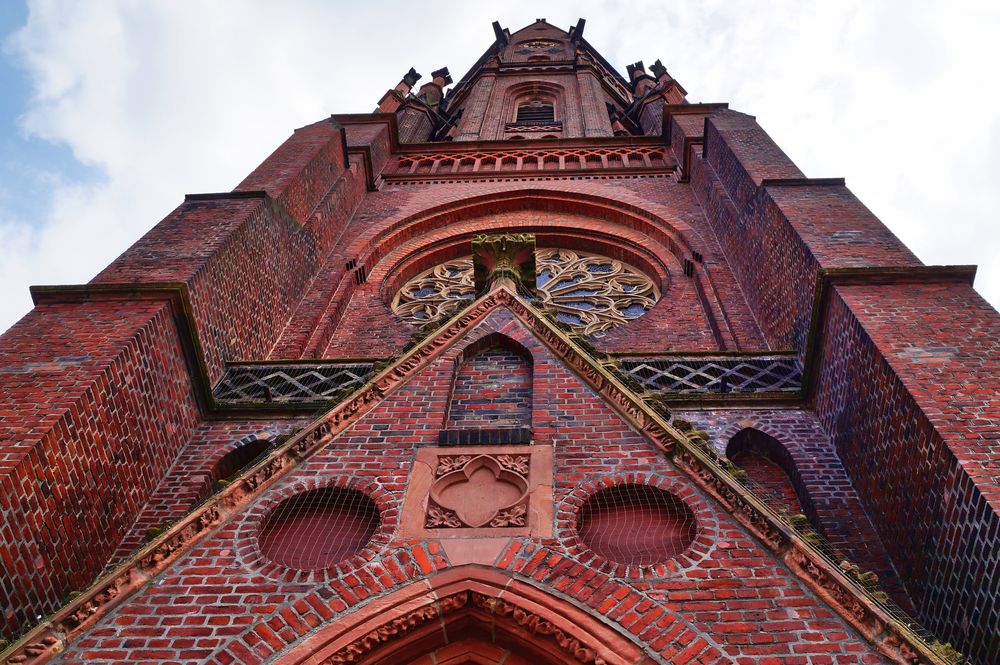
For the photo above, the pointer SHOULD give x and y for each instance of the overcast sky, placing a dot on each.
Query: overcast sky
(111, 111)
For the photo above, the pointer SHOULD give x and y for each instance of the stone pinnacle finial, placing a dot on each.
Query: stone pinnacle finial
(431, 93)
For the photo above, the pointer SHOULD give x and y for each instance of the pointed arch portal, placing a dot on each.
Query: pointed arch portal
(468, 614)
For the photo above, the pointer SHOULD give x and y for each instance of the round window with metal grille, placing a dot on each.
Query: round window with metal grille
(318, 528)
(636, 525)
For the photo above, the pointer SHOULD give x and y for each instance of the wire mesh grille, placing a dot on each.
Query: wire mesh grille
(289, 383)
(317, 528)
(636, 524)
(702, 375)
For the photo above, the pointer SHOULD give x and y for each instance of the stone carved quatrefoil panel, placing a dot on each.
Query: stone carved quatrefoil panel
(478, 491)
(471, 491)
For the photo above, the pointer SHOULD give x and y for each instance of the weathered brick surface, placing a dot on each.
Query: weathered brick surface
(908, 390)
(95, 402)
(643, 217)
(492, 389)
(821, 484)
(189, 479)
(225, 603)
(246, 263)
(776, 238)
(893, 457)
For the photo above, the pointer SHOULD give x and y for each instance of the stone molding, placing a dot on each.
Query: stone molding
(575, 650)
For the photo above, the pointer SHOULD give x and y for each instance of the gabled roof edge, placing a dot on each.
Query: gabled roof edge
(855, 604)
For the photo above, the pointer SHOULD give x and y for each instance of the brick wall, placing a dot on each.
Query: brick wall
(492, 389)
(412, 226)
(95, 402)
(188, 481)
(776, 237)
(246, 261)
(223, 600)
(908, 391)
(821, 482)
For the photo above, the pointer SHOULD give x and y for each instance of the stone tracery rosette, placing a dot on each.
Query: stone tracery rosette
(589, 292)
(436, 293)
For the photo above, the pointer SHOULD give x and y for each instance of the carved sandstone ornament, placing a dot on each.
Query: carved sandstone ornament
(575, 650)
(589, 292)
(479, 491)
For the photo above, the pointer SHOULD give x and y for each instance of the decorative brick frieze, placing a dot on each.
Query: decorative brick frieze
(525, 160)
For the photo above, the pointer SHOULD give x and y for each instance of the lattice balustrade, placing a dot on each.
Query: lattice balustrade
(717, 375)
(532, 160)
(259, 384)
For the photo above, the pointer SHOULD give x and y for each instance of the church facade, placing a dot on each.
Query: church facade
(554, 367)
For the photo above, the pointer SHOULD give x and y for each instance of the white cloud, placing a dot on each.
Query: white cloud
(173, 97)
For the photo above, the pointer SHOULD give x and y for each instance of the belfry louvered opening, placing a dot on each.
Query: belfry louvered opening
(536, 112)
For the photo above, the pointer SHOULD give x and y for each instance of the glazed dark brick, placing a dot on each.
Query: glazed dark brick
(908, 391)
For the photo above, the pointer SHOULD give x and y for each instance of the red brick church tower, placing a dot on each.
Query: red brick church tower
(552, 367)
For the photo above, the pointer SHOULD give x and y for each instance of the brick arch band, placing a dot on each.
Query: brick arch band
(409, 261)
(418, 241)
(674, 236)
(461, 603)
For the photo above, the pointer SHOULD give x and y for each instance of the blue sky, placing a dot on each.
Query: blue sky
(28, 164)
(111, 111)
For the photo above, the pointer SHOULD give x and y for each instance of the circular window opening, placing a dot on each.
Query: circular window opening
(318, 528)
(636, 525)
(588, 292)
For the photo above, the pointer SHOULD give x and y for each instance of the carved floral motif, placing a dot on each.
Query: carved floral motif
(515, 516)
(449, 463)
(474, 491)
(441, 518)
(516, 463)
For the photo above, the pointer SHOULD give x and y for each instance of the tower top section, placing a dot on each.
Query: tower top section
(540, 82)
